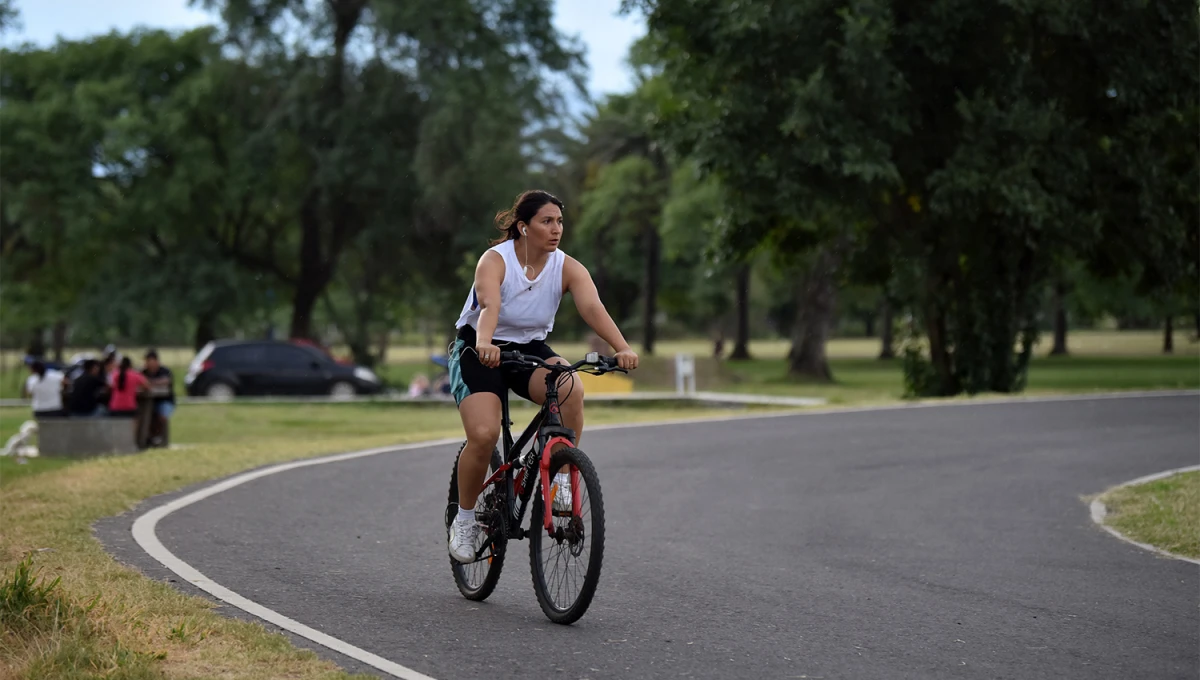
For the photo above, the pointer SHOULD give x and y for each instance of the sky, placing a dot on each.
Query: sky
(605, 33)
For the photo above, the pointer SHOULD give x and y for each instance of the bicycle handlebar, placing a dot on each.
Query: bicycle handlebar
(605, 364)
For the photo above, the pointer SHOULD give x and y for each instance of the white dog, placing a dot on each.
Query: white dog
(18, 445)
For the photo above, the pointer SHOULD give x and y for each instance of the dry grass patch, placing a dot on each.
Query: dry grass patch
(108, 621)
(1164, 513)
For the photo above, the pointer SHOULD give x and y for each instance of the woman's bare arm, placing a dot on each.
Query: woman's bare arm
(578, 281)
(489, 274)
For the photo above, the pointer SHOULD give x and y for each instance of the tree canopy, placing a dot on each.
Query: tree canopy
(777, 168)
(983, 140)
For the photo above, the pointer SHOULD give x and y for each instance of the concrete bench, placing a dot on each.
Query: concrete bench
(81, 437)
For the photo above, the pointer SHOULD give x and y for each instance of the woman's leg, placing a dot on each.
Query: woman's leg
(481, 414)
(477, 391)
(570, 396)
(570, 404)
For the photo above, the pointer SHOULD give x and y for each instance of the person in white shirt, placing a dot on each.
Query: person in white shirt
(519, 283)
(45, 387)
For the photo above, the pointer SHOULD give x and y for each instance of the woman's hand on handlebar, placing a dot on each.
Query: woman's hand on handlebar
(627, 359)
(489, 354)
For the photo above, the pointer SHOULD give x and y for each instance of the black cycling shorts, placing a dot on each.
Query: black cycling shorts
(468, 376)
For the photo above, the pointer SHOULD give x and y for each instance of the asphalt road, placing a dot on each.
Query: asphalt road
(925, 543)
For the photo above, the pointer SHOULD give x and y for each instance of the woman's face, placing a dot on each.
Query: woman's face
(545, 230)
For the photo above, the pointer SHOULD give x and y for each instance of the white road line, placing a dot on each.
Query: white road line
(145, 536)
(143, 533)
(1100, 511)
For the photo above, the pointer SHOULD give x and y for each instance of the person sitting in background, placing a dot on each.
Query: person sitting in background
(45, 387)
(89, 393)
(125, 383)
(419, 387)
(110, 363)
(159, 376)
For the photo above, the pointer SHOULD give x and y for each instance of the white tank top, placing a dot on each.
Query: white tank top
(527, 308)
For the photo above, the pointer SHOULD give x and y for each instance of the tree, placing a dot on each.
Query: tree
(699, 278)
(10, 17)
(630, 187)
(966, 131)
(621, 211)
(54, 206)
(194, 165)
(373, 81)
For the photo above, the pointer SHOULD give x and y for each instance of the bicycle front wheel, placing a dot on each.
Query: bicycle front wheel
(566, 565)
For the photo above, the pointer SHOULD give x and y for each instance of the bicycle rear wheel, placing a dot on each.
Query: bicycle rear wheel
(477, 580)
(566, 567)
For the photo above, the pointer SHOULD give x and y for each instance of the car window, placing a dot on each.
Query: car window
(291, 357)
(240, 355)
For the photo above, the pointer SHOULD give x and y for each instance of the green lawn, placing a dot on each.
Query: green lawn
(1164, 513)
(254, 424)
(11, 470)
(871, 380)
(1100, 360)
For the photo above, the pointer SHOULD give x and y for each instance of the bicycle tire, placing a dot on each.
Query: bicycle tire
(537, 534)
(496, 564)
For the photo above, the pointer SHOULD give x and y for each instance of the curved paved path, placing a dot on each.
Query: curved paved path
(923, 543)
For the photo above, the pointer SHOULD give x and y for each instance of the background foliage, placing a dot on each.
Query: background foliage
(953, 178)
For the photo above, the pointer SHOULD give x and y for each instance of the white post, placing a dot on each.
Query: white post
(685, 374)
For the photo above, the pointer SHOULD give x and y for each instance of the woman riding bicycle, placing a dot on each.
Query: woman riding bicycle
(519, 283)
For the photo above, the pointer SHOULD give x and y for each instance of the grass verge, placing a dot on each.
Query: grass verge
(86, 616)
(1164, 513)
(858, 376)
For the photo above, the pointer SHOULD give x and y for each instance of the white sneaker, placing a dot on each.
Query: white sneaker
(462, 540)
(561, 490)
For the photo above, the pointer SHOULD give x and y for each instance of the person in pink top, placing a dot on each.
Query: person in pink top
(126, 383)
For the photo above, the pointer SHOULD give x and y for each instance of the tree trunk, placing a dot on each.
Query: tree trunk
(304, 303)
(361, 347)
(205, 330)
(816, 300)
(886, 348)
(939, 350)
(650, 289)
(60, 339)
(309, 285)
(1060, 320)
(1169, 336)
(37, 342)
(319, 256)
(384, 337)
(741, 344)
(869, 323)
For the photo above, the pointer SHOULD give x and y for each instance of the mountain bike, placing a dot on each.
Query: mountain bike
(561, 539)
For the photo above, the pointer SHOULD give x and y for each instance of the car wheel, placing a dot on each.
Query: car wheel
(219, 391)
(342, 390)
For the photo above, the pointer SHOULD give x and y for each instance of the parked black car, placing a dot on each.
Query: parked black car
(225, 368)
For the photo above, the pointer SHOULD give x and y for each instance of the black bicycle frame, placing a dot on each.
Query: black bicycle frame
(546, 425)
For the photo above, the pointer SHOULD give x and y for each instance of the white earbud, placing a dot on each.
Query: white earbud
(525, 231)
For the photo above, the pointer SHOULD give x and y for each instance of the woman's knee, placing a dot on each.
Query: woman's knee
(483, 434)
(570, 395)
(480, 415)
